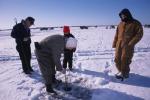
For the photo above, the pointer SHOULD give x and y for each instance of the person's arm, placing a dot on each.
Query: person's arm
(138, 35)
(115, 39)
(74, 49)
(56, 54)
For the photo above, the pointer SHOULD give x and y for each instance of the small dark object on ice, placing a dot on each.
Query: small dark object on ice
(67, 88)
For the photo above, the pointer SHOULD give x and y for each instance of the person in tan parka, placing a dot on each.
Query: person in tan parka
(129, 32)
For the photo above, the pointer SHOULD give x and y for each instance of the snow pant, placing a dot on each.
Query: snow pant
(24, 51)
(67, 59)
(123, 58)
(46, 65)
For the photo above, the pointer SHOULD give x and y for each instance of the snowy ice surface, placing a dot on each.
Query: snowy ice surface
(93, 74)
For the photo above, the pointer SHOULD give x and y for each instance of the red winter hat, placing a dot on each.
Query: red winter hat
(66, 29)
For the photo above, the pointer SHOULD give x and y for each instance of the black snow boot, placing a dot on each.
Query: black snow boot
(119, 76)
(126, 75)
(27, 72)
(30, 68)
(55, 81)
(49, 89)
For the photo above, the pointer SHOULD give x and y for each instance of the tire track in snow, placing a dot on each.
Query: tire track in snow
(85, 53)
(12, 58)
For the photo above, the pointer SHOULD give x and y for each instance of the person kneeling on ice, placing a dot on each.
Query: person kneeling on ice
(70, 47)
(48, 53)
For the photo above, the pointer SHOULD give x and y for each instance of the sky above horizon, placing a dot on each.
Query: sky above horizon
(71, 12)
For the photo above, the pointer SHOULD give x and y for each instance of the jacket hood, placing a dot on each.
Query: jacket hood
(127, 13)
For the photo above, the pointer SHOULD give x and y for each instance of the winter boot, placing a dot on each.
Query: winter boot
(119, 76)
(30, 68)
(49, 89)
(126, 75)
(27, 72)
(54, 80)
(70, 68)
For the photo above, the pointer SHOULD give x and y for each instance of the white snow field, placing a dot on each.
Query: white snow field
(93, 72)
